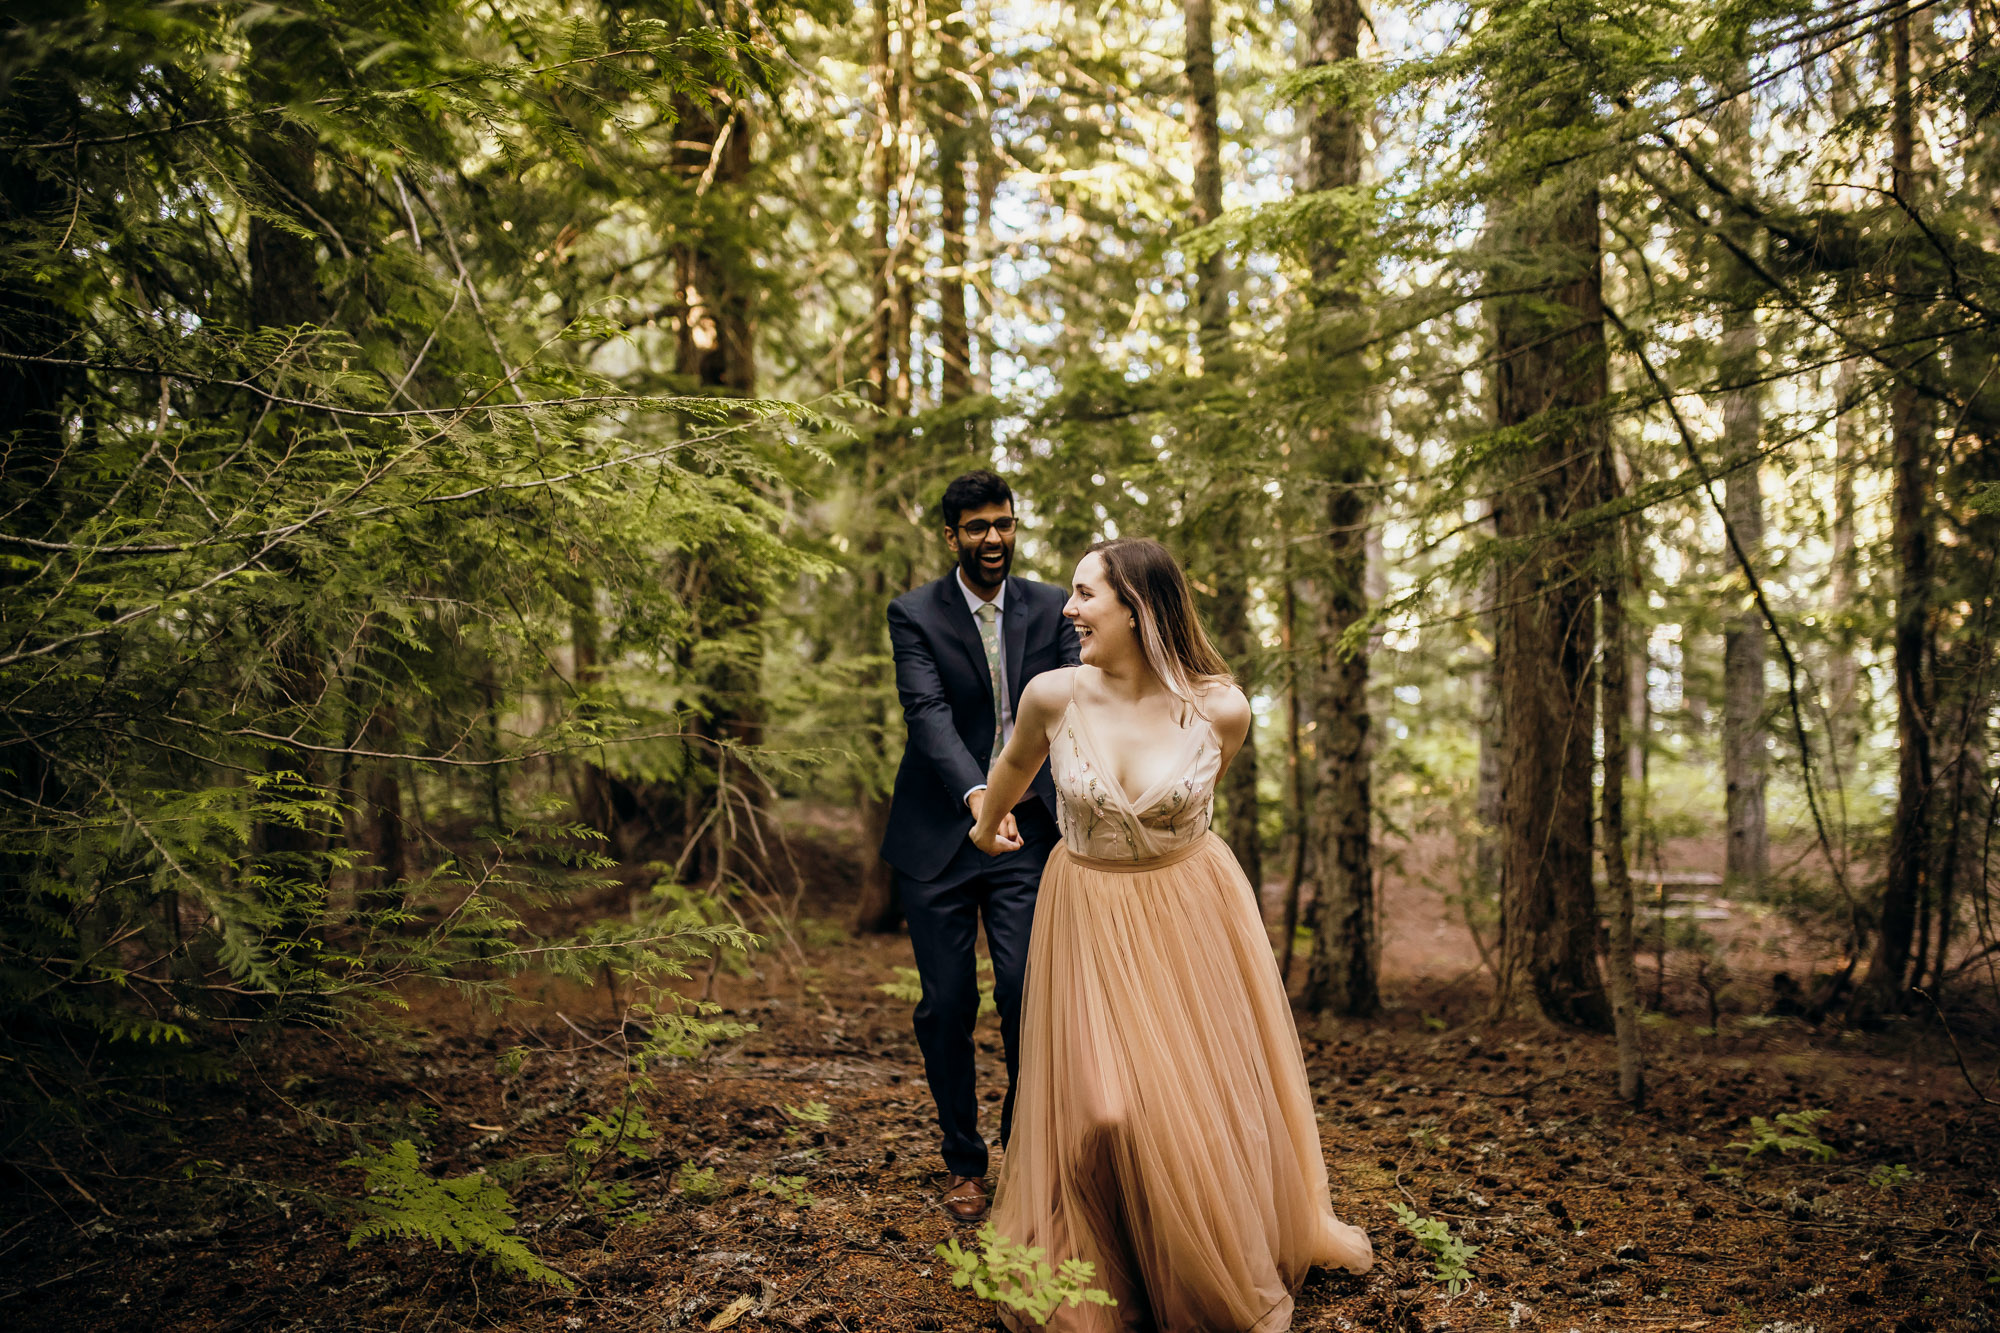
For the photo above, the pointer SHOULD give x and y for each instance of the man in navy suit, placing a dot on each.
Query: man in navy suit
(965, 645)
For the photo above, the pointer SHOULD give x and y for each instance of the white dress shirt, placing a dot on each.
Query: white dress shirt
(973, 601)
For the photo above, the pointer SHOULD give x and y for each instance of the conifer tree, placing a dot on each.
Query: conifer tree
(1341, 976)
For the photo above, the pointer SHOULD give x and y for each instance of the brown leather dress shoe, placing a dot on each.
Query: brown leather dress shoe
(964, 1198)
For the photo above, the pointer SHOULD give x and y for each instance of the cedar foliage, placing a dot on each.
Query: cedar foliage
(323, 441)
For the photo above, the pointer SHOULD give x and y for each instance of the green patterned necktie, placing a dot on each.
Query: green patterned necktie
(989, 635)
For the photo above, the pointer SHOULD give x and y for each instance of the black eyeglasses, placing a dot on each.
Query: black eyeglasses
(979, 527)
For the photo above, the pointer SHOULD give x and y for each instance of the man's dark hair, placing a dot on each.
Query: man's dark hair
(972, 491)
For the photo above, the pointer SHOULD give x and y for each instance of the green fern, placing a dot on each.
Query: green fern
(696, 1184)
(909, 987)
(1020, 1277)
(470, 1213)
(1788, 1131)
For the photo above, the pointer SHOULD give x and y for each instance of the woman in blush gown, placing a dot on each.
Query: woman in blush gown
(1163, 1129)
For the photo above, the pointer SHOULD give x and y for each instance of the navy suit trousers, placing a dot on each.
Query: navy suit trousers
(944, 916)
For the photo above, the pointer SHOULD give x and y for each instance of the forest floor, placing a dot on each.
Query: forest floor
(1587, 1215)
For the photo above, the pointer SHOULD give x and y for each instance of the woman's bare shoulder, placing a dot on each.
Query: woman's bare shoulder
(1051, 689)
(1227, 706)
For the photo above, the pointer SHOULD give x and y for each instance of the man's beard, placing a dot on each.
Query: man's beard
(976, 572)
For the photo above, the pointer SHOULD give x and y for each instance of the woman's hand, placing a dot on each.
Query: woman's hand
(1004, 836)
(1007, 781)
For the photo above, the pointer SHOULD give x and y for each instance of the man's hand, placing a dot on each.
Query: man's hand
(1009, 832)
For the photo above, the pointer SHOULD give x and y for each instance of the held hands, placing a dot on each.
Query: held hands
(1005, 836)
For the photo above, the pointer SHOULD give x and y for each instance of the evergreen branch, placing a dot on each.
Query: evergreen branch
(344, 102)
(698, 405)
(1743, 562)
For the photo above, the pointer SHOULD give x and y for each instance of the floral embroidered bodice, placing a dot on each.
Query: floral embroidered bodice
(1098, 819)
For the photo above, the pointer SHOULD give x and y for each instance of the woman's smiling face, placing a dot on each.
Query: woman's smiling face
(1103, 623)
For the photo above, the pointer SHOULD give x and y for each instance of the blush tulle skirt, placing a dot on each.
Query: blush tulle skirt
(1163, 1126)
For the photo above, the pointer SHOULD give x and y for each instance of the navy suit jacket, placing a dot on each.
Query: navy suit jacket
(948, 708)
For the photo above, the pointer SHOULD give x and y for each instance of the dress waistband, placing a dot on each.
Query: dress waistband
(1123, 866)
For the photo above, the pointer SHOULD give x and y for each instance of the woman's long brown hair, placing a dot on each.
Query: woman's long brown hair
(1149, 581)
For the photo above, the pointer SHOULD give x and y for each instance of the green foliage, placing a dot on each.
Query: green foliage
(696, 1184)
(909, 987)
(470, 1213)
(1788, 1131)
(327, 511)
(1019, 1276)
(626, 1135)
(1889, 1176)
(1452, 1255)
(789, 1189)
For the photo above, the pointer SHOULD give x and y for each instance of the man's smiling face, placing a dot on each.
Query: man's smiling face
(983, 541)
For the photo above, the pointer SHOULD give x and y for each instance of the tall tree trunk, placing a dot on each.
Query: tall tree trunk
(1962, 811)
(1239, 784)
(590, 785)
(1638, 703)
(1296, 771)
(1882, 990)
(1342, 975)
(716, 350)
(1617, 873)
(36, 404)
(1550, 383)
(1232, 567)
(284, 292)
(384, 797)
(954, 135)
(1844, 703)
(882, 303)
(876, 910)
(1488, 796)
(1843, 678)
(986, 181)
(1211, 290)
(1744, 752)
(903, 307)
(1744, 749)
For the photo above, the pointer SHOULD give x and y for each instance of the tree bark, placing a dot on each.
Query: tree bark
(285, 292)
(1550, 383)
(1843, 678)
(1239, 784)
(1342, 975)
(876, 910)
(953, 143)
(882, 304)
(986, 181)
(1883, 989)
(1232, 566)
(1744, 750)
(1296, 773)
(1747, 856)
(1211, 289)
(1963, 810)
(903, 309)
(1617, 873)
(384, 797)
